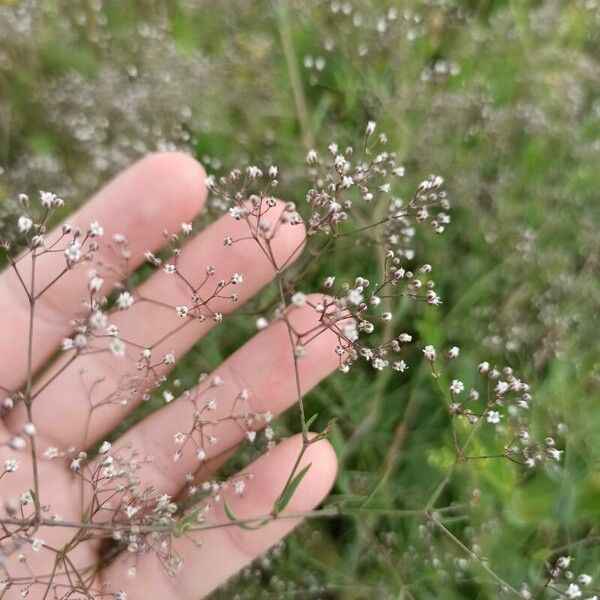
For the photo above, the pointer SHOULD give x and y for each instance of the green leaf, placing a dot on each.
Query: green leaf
(234, 519)
(288, 492)
(311, 421)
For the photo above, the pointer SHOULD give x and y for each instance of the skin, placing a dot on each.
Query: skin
(159, 193)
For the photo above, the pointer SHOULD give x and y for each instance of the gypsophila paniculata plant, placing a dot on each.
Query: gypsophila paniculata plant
(124, 510)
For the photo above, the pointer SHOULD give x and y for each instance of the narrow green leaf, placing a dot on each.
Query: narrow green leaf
(234, 519)
(311, 421)
(288, 492)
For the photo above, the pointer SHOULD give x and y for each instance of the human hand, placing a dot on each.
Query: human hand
(53, 539)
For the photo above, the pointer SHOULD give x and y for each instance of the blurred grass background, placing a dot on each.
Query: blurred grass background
(499, 97)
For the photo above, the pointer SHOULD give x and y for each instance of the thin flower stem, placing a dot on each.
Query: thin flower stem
(475, 557)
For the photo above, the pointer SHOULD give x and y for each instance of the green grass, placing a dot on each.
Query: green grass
(515, 134)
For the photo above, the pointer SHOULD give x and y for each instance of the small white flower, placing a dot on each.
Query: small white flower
(169, 358)
(130, 511)
(379, 363)
(112, 330)
(584, 579)
(239, 486)
(186, 228)
(117, 347)
(501, 388)
(573, 591)
(563, 561)
(370, 127)
(37, 544)
(354, 297)
(347, 182)
(125, 300)
(95, 229)
(311, 157)
(400, 366)
(456, 387)
(168, 396)
(429, 352)
(492, 416)
(17, 443)
(11, 465)
(299, 351)
(98, 320)
(201, 454)
(50, 200)
(236, 212)
(24, 224)
(261, 323)
(554, 454)
(254, 172)
(95, 283)
(453, 352)
(237, 278)
(104, 448)
(73, 252)
(299, 299)
(29, 428)
(182, 311)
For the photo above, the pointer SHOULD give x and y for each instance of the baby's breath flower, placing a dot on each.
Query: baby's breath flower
(492, 416)
(261, 323)
(50, 200)
(124, 300)
(95, 229)
(73, 252)
(182, 311)
(117, 347)
(554, 454)
(29, 428)
(453, 352)
(24, 224)
(104, 448)
(11, 465)
(299, 299)
(95, 283)
(430, 353)
(457, 386)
